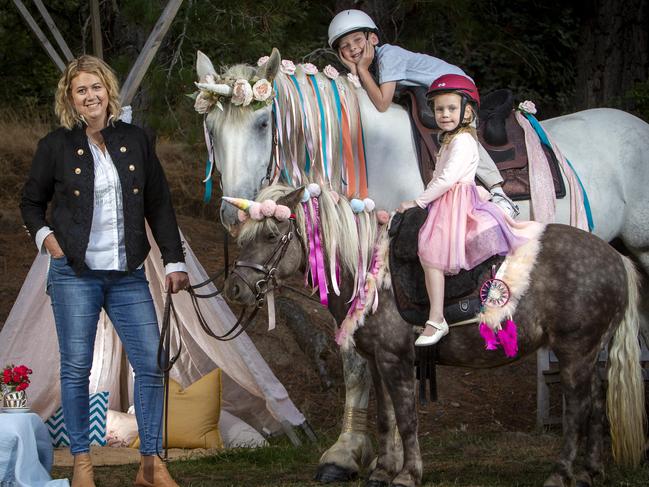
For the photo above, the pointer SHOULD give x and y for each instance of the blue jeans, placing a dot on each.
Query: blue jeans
(77, 302)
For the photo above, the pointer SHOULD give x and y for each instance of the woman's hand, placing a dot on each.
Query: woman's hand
(350, 65)
(406, 205)
(176, 281)
(368, 56)
(52, 246)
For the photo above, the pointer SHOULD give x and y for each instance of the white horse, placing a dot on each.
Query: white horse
(609, 150)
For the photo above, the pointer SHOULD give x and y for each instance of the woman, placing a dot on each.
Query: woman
(104, 180)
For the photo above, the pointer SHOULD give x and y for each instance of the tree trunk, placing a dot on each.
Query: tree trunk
(614, 54)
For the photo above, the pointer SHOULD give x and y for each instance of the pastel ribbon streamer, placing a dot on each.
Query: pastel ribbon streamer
(542, 195)
(579, 207)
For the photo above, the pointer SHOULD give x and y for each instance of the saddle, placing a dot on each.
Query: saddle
(461, 291)
(498, 132)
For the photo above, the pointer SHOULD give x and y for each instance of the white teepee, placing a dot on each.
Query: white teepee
(250, 389)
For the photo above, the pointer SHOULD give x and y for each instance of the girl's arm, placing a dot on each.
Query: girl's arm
(453, 168)
(381, 95)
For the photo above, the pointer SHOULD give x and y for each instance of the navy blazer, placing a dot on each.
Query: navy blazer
(63, 172)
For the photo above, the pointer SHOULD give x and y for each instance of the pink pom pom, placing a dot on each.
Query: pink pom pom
(383, 217)
(335, 196)
(255, 211)
(242, 216)
(282, 213)
(314, 189)
(369, 204)
(268, 207)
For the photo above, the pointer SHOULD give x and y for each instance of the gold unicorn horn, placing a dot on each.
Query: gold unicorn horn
(241, 203)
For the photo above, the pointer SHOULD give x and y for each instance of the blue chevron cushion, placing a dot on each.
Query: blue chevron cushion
(98, 411)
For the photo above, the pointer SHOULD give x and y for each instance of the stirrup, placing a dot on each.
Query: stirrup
(441, 330)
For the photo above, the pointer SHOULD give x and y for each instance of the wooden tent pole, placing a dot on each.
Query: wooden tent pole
(149, 50)
(95, 21)
(55, 32)
(41, 36)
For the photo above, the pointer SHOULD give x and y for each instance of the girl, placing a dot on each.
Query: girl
(462, 228)
(354, 35)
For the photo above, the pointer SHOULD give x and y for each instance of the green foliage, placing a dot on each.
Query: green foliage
(637, 99)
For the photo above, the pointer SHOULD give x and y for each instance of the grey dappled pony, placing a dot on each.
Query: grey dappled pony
(582, 296)
(608, 148)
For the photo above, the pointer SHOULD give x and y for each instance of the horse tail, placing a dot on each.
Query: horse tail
(625, 397)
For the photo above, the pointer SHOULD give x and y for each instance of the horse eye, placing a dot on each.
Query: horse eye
(272, 237)
(263, 124)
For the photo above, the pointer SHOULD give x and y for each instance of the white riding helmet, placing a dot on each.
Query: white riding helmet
(349, 21)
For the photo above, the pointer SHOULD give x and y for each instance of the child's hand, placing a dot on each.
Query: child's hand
(350, 65)
(368, 56)
(406, 205)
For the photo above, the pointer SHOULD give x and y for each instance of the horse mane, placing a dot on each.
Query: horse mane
(348, 237)
(303, 103)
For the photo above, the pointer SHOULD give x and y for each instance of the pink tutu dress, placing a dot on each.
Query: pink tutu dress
(463, 228)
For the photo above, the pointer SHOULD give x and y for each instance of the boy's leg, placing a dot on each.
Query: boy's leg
(490, 176)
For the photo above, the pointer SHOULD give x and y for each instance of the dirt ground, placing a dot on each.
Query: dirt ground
(501, 399)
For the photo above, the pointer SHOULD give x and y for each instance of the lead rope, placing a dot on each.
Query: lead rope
(165, 364)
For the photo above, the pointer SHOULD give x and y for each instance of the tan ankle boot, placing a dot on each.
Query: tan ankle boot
(153, 473)
(82, 475)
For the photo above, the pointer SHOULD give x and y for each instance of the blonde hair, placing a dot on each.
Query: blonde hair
(63, 105)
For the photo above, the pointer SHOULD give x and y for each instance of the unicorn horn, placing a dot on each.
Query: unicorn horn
(219, 89)
(241, 203)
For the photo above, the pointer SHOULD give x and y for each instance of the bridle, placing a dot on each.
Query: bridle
(268, 270)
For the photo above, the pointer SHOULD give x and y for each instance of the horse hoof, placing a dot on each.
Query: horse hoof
(376, 483)
(329, 472)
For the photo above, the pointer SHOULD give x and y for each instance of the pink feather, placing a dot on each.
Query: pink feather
(489, 337)
(508, 338)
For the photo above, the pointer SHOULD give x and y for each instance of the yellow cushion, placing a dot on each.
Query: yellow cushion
(194, 414)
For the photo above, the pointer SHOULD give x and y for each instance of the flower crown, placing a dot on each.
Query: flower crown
(213, 90)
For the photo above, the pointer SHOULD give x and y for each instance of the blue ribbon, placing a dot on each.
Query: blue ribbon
(323, 128)
(546, 142)
(208, 184)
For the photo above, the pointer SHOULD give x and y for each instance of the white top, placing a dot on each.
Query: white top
(409, 68)
(106, 249)
(457, 162)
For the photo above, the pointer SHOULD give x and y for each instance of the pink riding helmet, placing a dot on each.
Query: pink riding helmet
(455, 83)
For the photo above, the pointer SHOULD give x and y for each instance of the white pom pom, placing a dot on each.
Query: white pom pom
(369, 204)
(314, 189)
(306, 196)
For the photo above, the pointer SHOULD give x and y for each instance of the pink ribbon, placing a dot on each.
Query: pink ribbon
(542, 195)
(316, 256)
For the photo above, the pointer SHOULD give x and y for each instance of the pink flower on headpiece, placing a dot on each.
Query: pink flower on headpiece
(203, 103)
(354, 80)
(262, 60)
(287, 67)
(309, 68)
(528, 107)
(330, 72)
(262, 90)
(268, 208)
(241, 92)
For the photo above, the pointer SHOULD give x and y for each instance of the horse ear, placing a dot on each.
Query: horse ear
(203, 66)
(292, 199)
(271, 68)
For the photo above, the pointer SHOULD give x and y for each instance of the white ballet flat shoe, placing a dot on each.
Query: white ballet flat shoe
(441, 330)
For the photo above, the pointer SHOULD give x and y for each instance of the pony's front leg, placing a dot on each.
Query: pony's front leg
(390, 458)
(353, 449)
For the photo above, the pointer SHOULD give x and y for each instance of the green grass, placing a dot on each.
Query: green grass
(452, 458)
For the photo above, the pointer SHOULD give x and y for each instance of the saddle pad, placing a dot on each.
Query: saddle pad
(461, 291)
(510, 157)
